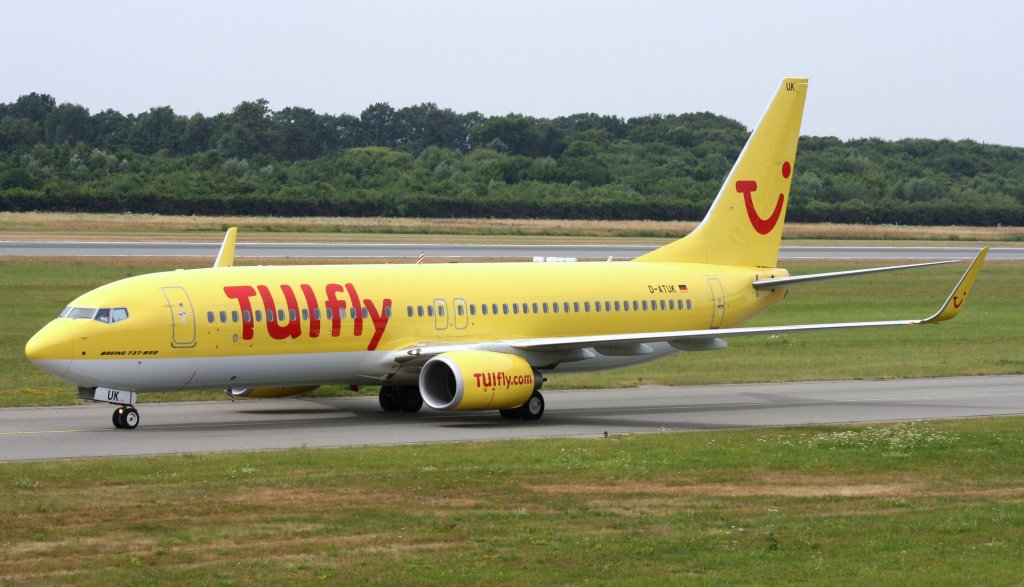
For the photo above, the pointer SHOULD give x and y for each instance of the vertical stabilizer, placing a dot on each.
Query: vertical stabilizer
(744, 224)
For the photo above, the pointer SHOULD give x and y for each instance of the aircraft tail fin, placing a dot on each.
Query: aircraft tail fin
(744, 225)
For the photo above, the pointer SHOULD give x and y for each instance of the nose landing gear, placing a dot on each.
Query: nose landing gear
(126, 417)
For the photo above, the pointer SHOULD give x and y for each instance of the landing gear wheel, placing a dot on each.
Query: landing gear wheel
(411, 401)
(131, 418)
(389, 397)
(126, 417)
(533, 409)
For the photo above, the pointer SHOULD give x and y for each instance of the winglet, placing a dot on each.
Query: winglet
(955, 301)
(226, 255)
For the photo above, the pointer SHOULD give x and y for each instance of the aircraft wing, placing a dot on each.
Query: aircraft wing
(703, 339)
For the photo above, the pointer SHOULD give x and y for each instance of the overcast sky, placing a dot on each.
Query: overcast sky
(890, 69)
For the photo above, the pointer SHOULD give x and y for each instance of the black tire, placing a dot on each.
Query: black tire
(389, 397)
(118, 418)
(533, 409)
(512, 414)
(131, 418)
(411, 400)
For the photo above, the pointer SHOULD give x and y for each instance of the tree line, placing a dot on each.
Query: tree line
(429, 161)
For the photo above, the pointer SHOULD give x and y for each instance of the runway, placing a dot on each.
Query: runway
(435, 251)
(86, 431)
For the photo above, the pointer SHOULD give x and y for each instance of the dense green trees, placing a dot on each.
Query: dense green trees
(424, 160)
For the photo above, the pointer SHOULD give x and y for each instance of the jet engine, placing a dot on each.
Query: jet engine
(264, 392)
(477, 380)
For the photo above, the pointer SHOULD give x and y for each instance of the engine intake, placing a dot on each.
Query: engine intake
(477, 380)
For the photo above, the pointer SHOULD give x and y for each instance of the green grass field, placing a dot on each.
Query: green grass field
(985, 339)
(912, 503)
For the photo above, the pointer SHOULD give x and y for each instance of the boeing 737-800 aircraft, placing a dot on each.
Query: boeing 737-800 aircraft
(453, 336)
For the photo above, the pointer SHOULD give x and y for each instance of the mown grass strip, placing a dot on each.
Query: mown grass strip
(88, 226)
(909, 503)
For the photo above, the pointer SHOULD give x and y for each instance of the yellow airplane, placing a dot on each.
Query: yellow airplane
(453, 336)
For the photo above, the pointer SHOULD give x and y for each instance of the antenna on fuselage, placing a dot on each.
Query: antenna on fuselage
(226, 255)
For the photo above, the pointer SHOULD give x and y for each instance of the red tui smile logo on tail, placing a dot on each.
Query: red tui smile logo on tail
(747, 188)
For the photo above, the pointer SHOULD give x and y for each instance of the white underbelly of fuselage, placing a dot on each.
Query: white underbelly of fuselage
(204, 373)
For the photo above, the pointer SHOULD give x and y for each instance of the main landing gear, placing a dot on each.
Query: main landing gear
(533, 409)
(400, 398)
(126, 417)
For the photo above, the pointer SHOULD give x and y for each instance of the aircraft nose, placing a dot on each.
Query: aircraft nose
(51, 348)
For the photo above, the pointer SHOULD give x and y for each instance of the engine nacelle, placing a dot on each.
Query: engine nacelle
(265, 392)
(477, 380)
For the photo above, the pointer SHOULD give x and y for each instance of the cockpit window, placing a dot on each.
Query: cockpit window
(105, 315)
